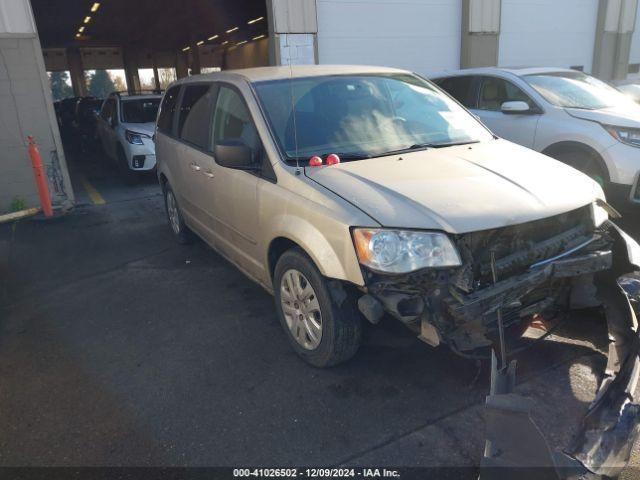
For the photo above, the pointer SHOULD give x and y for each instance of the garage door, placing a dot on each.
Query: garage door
(419, 35)
(548, 33)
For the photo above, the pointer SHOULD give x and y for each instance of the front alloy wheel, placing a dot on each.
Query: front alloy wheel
(317, 314)
(301, 309)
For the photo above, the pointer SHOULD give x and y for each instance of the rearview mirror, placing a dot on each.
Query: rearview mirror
(515, 107)
(234, 154)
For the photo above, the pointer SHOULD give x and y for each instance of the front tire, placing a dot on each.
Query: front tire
(586, 162)
(318, 316)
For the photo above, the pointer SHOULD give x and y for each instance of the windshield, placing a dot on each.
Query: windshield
(575, 90)
(140, 110)
(362, 116)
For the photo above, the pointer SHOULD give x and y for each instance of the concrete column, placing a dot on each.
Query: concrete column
(156, 76)
(195, 59)
(480, 33)
(26, 108)
(616, 23)
(130, 59)
(182, 64)
(293, 32)
(76, 72)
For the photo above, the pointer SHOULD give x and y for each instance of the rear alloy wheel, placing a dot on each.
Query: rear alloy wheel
(181, 232)
(319, 317)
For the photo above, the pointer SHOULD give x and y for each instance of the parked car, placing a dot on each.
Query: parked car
(125, 127)
(84, 123)
(355, 192)
(565, 114)
(631, 90)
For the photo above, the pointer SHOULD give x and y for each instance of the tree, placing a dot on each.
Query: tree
(100, 84)
(59, 87)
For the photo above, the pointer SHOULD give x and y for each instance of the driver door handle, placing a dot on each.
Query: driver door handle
(195, 167)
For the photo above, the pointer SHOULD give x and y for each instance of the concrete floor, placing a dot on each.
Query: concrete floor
(120, 347)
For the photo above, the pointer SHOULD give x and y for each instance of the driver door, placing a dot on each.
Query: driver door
(236, 209)
(518, 128)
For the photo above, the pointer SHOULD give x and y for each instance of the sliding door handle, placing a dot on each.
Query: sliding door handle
(195, 167)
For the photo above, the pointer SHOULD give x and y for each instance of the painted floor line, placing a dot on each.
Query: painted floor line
(94, 195)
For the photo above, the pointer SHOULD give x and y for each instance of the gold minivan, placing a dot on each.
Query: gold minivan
(351, 193)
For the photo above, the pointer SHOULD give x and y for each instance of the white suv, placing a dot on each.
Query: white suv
(565, 114)
(125, 127)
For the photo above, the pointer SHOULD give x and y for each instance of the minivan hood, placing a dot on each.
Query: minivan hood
(459, 189)
(146, 128)
(628, 116)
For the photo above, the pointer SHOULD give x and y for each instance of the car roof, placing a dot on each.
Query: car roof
(518, 71)
(261, 74)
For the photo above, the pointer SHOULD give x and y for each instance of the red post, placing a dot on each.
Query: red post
(41, 178)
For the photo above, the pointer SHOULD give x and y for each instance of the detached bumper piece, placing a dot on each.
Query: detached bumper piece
(515, 446)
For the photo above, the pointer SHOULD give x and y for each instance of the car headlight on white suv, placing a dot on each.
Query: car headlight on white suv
(135, 138)
(404, 251)
(628, 136)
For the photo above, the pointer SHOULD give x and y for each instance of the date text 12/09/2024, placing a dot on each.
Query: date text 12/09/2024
(315, 473)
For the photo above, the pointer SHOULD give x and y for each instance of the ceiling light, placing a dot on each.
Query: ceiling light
(87, 19)
(81, 29)
(77, 35)
(185, 49)
(255, 20)
(201, 42)
(225, 42)
(95, 7)
(240, 43)
(258, 37)
(213, 38)
(232, 29)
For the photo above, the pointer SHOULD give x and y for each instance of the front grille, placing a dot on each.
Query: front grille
(550, 236)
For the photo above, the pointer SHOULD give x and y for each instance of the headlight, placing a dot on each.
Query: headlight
(134, 138)
(629, 136)
(599, 214)
(400, 251)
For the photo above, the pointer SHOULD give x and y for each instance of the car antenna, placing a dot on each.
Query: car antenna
(293, 112)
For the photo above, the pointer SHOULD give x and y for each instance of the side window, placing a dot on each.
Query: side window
(495, 91)
(233, 123)
(167, 109)
(460, 88)
(195, 114)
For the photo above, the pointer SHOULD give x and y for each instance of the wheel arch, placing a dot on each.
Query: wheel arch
(313, 244)
(572, 146)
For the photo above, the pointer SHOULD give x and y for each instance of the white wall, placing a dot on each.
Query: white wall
(15, 17)
(419, 35)
(558, 33)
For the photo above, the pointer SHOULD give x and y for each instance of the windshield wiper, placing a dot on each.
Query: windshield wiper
(343, 157)
(424, 146)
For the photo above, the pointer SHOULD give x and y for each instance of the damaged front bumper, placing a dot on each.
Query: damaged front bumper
(585, 275)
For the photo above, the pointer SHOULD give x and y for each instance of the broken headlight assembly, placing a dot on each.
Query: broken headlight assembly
(599, 214)
(403, 251)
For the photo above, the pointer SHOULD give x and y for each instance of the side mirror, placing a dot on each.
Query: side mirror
(515, 107)
(234, 154)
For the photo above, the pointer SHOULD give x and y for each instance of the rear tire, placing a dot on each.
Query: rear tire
(180, 231)
(333, 310)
